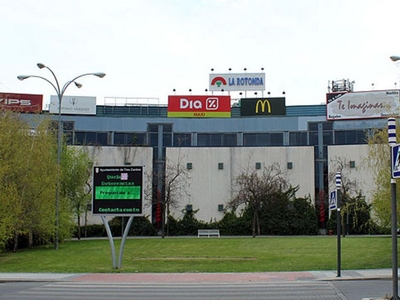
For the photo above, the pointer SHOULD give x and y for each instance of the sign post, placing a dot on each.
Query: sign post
(117, 191)
(338, 183)
(395, 170)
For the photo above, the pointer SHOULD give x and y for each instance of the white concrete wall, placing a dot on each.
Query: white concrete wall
(209, 186)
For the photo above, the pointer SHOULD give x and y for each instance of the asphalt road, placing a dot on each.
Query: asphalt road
(309, 289)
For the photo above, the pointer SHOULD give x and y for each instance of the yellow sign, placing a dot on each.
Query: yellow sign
(262, 104)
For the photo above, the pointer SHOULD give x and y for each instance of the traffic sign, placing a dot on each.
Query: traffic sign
(332, 201)
(395, 161)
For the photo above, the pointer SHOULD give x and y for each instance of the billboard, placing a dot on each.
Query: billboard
(199, 106)
(21, 102)
(73, 105)
(263, 106)
(117, 190)
(362, 105)
(237, 82)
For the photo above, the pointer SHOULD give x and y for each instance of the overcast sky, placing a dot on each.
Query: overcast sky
(147, 48)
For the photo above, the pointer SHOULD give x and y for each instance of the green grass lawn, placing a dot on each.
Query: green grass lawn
(159, 255)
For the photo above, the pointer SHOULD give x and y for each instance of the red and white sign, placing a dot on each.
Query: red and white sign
(199, 106)
(362, 105)
(21, 102)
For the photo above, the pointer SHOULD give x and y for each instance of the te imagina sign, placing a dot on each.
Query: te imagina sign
(204, 106)
(21, 102)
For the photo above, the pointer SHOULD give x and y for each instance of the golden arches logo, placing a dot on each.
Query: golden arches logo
(262, 104)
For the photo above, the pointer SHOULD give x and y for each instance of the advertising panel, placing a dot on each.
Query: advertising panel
(117, 190)
(199, 106)
(263, 106)
(74, 105)
(362, 105)
(21, 102)
(237, 82)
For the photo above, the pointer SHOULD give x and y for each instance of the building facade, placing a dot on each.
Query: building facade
(215, 150)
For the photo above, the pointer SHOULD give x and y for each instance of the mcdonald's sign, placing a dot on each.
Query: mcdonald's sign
(262, 106)
(261, 103)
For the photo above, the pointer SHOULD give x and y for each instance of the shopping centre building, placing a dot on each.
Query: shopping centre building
(216, 137)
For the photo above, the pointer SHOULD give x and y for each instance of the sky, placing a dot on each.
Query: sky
(147, 48)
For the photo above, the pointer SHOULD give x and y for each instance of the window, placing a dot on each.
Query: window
(182, 140)
(91, 138)
(347, 137)
(216, 139)
(220, 207)
(189, 166)
(220, 166)
(263, 139)
(129, 138)
(258, 165)
(297, 138)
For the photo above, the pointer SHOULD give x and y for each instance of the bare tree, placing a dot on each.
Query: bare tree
(173, 180)
(255, 187)
(352, 201)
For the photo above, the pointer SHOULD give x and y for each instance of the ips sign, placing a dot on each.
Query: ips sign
(262, 106)
(21, 102)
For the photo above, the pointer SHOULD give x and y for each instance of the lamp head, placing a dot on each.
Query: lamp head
(40, 65)
(99, 74)
(78, 85)
(23, 77)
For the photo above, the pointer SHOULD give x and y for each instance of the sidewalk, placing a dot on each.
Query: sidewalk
(201, 277)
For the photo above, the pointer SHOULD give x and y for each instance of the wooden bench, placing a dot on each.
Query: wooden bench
(208, 232)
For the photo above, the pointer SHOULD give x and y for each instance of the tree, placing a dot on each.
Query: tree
(28, 176)
(379, 164)
(76, 172)
(255, 189)
(173, 183)
(355, 212)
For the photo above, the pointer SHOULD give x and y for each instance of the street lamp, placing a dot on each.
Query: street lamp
(60, 93)
(395, 58)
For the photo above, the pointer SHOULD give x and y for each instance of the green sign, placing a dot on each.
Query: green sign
(117, 190)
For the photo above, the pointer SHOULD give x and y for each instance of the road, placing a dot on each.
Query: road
(307, 289)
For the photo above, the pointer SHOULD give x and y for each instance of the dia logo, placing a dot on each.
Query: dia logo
(212, 103)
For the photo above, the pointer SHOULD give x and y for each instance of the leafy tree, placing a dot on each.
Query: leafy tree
(76, 172)
(27, 174)
(379, 163)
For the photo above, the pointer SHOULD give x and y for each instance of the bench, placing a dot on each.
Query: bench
(208, 232)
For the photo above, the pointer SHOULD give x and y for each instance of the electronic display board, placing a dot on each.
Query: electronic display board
(117, 190)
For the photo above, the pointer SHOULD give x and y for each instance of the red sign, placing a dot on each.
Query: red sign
(21, 102)
(199, 106)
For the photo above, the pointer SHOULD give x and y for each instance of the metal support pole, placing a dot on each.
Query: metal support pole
(121, 249)
(394, 240)
(392, 143)
(338, 181)
(110, 239)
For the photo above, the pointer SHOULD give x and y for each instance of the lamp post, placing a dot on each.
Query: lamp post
(338, 184)
(392, 143)
(60, 93)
